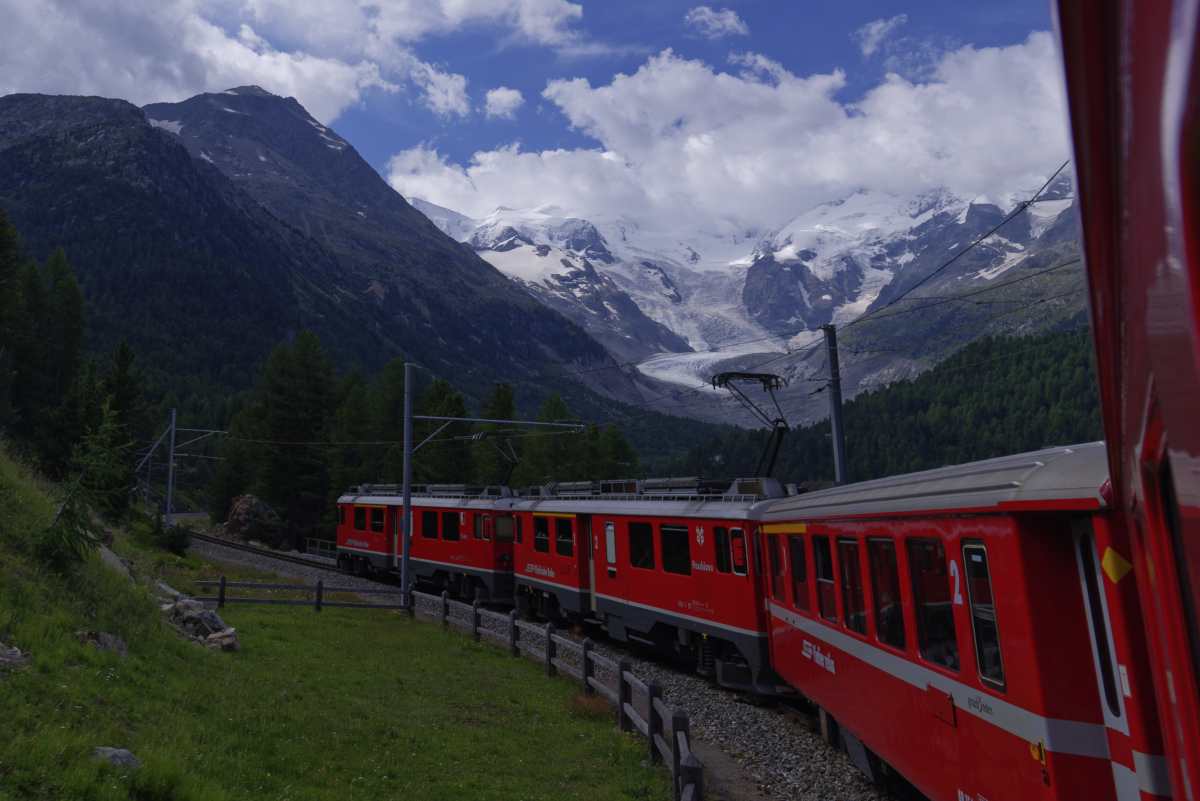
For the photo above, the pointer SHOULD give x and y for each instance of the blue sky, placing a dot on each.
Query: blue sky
(727, 117)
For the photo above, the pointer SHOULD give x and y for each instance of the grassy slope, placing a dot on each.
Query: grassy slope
(341, 704)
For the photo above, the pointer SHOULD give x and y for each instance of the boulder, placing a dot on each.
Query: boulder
(170, 593)
(116, 756)
(226, 640)
(104, 642)
(250, 519)
(13, 657)
(116, 563)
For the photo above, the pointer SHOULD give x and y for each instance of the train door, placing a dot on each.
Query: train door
(587, 546)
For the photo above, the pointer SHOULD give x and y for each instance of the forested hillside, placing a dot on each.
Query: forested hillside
(996, 396)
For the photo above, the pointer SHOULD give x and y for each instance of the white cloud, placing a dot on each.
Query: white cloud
(325, 53)
(683, 146)
(715, 24)
(504, 102)
(872, 34)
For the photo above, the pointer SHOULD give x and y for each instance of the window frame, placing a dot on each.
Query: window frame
(377, 520)
(775, 564)
(360, 518)
(646, 532)
(897, 590)
(541, 534)
(564, 546)
(850, 571)
(996, 684)
(429, 532)
(831, 581)
(918, 594)
(799, 587)
(737, 541)
(675, 530)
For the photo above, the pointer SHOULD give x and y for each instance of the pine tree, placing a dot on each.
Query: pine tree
(490, 466)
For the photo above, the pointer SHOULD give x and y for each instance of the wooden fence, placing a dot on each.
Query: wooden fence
(319, 589)
(666, 730)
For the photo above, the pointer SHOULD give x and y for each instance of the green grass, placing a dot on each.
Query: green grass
(345, 704)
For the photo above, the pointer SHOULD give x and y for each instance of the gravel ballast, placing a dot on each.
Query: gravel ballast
(780, 757)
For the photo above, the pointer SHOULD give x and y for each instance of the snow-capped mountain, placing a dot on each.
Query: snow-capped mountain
(725, 303)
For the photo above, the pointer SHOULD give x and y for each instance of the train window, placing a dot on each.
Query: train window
(799, 573)
(541, 534)
(721, 544)
(478, 533)
(1087, 555)
(826, 594)
(983, 615)
(641, 545)
(504, 528)
(610, 542)
(564, 538)
(450, 526)
(776, 565)
(885, 585)
(360, 518)
(934, 603)
(429, 525)
(487, 527)
(377, 521)
(676, 549)
(853, 600)
(341, 515)
(519, 529)
(737, 550)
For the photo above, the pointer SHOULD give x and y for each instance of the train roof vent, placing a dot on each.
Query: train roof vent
(757, 487)
(563, 489)
(452, 490)
(621, 487)
(696, 485)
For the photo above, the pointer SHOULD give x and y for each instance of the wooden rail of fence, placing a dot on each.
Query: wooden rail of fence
(667, 731)
(319, 590)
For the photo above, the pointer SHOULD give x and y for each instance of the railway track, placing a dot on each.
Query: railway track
(282, 557)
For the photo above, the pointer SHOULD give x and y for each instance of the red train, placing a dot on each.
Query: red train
(1133, 84)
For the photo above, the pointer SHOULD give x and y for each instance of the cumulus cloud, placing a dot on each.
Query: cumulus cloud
(325, 53)
(715, 24)
(683, 146)
(504, 102)
(871, 35)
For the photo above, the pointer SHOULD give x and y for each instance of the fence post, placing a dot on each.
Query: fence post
(653, 718)
(691, 771)
(624, 695)
(587, 667)
(445, 606)
(551, 651)
(320, 591)
(475, 620)
(679, 725)
(221, 594)
(514, 633)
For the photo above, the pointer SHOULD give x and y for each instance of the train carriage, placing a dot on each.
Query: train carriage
(664, 562)
(462, 536)
(969, 629)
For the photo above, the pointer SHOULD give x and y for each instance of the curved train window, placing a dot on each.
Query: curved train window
(641, 545)
(564, 538)
(983, 614)
(341, 515)
(776, 564)
(853, 598)
(504, 528)
(826, 594)
(360, 518)
(541, 534)
(429, 525)
(676, 549)
(885, 586)
(799, 573)
(737, 550)
(377, 521)
(934, 603)
(721, 546)
(450, 531)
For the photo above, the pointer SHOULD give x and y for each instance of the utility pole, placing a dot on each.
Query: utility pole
(835, 405)
(405, 590)
(171, 473)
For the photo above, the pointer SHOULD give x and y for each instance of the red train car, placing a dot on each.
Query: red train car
(662, 562)
(462, 536)
(971, 628)
(1133, 84)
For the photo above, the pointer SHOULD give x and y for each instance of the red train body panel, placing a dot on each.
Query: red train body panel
(667, 566)
(1133, 81)
(948, 621)
(462, 536)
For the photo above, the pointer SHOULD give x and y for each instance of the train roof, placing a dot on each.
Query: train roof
(1064, 477)
(739, 499)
